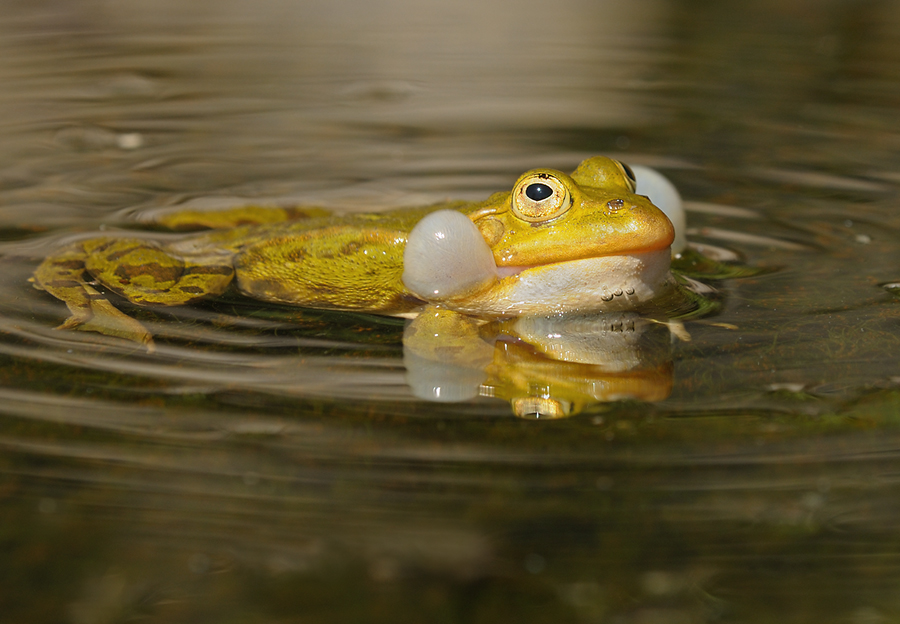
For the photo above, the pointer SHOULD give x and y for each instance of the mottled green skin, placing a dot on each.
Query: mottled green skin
(352, 263)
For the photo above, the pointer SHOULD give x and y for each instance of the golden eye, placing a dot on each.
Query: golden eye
(540, 197)
(629, 175)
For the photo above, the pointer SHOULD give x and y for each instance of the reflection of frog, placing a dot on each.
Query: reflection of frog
(556, 243)
(545, 367)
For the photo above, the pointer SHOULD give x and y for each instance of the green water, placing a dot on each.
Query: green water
(273, 465)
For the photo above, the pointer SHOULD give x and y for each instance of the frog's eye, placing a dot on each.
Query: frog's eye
(629, 175)
(540, 197)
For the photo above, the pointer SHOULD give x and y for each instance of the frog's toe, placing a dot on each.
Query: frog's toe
(446, 257)
(74, 321)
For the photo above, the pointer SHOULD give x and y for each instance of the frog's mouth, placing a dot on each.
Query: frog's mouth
(511, 271)
(653, 245)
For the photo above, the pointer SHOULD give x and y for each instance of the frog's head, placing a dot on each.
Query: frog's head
(549, 220)
(553, 217)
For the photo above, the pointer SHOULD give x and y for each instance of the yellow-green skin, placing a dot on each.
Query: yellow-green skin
(352, 262)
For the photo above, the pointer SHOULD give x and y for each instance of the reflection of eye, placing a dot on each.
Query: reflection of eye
(540, 197)
(629, 174)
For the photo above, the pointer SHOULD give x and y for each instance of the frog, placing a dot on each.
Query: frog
(552, 244)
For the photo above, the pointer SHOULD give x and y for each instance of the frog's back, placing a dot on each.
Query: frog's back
(349, 263)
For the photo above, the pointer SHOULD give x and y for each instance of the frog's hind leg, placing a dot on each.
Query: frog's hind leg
(139, 270)
(61, 275)
(146, 273)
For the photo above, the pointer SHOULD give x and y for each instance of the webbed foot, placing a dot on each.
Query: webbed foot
(105, 319)
(89, 310)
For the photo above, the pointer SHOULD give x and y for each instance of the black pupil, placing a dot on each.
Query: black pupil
(538, 191)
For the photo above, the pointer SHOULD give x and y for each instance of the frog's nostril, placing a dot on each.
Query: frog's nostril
(538, 191)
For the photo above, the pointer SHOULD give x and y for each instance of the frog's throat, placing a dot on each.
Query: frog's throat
(606, 283)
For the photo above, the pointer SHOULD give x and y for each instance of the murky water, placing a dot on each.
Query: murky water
(276, 465)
